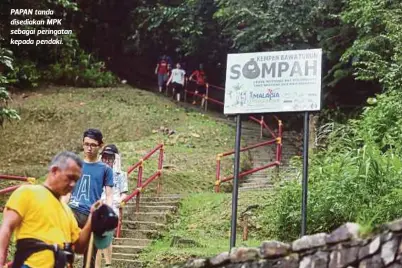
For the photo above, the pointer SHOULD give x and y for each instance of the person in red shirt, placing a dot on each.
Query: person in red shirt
(162, 70)
(199, 77)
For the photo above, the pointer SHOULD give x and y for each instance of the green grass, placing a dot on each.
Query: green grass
(205, 219)
(54, 120)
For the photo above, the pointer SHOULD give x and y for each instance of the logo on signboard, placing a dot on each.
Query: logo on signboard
(251, 70)
(269, 94)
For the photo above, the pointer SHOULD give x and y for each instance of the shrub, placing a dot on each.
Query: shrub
(6, 62)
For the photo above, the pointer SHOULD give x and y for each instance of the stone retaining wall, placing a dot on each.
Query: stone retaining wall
(343, 248)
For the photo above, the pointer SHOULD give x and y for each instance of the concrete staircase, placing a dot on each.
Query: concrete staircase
(140, 229)
(263, 180)
(260, 156)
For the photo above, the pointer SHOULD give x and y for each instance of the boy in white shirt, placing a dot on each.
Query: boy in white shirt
(177, 78)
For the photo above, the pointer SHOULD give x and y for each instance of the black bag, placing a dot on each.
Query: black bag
(28, 246)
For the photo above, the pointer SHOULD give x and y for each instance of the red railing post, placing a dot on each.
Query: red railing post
(185, 90)
(160, 168)
(218, 173)
(139, 186)
(206, 96)
(279, 142)
(280, 135)
(261, 126)
(17, 178)
(10, 189)
(118, 231)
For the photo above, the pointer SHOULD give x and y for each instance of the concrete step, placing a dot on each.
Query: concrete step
(124, 241)
(265, 181)
(147, 208)
(161, 203)
(260, 174)
(122, 260)
(147, 199)
(267, 158)
(258, 180)
(143, 225)
(258, 177)
(264, 171)
(145, 216)
(256, 185)
(122, 249)
(255, 188)
(139, 234)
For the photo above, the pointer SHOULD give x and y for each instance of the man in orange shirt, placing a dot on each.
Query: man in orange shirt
(199, 77)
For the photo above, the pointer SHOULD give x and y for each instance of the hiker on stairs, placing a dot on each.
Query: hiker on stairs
(96, 176)
(177, 78)
(199, 77)
(162, 70)
(44, 226)
(110, 156)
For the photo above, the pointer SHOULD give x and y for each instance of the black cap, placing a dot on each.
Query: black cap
(95, 134)
(104, 219)
(110, 149)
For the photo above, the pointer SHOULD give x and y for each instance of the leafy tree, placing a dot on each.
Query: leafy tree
(377, 50)
(6, 62)
(357, 177)
(34, 63)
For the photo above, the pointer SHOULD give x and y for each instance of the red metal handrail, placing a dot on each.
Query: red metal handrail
(146, 157)
(249, 147)
(140, 185)
(277, 139)
(263, 125)
(217, 87)
(206, 98)
(10, 189)
(16, 178)
(248, 172)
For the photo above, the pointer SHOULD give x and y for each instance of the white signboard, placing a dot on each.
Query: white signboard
(280, 81)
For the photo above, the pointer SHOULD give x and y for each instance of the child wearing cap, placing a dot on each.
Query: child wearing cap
(110, 156)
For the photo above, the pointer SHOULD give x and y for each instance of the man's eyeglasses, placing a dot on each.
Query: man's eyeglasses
(91, 145)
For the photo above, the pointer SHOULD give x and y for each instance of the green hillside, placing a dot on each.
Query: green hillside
(54, 119)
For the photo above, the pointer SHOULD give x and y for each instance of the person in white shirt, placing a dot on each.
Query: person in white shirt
(110, 156)
(177, 78)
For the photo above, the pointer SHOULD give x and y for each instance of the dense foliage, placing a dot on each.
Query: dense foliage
(65, 64)
(358, 175)
(208, 30)
(129, 35)
(6, 62)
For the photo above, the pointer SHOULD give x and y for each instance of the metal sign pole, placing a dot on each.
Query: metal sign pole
(235, 182)
(305, 174)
